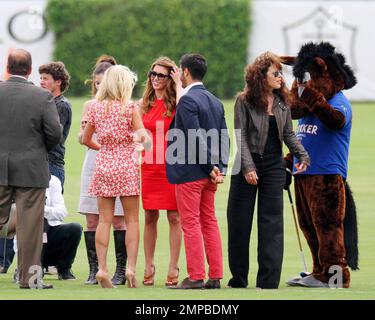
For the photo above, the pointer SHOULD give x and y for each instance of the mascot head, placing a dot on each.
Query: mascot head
(327, 68)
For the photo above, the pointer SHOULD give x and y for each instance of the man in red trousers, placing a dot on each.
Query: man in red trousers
(199, 138)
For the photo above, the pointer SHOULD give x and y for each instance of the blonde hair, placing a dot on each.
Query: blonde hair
(117, 85)
(170, 92)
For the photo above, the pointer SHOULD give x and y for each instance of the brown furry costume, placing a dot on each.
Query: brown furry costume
(325, 206)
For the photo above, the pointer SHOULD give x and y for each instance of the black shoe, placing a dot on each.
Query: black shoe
(119, 277)
(66, 274)
(212, 284)
(189, 284)
(39, 287)
(236, 284)
(3, 270)
(91, 256)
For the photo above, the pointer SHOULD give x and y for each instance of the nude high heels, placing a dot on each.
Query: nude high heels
(131, 280)
(104, 280)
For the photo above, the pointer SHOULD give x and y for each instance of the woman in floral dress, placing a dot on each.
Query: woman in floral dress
(115, 119)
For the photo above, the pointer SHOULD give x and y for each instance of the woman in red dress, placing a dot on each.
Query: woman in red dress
(158, 108)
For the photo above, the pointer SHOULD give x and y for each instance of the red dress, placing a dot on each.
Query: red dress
(157, 192)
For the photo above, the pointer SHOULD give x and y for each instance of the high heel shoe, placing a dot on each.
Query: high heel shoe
(172, 280)
(104, 280)
(132, 281)
(148, 280)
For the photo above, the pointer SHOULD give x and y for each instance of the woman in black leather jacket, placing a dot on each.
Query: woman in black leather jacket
(262, 122)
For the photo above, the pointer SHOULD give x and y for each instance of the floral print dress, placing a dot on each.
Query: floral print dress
(117, 168)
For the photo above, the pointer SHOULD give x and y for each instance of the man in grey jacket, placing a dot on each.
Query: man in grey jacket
(29, 127)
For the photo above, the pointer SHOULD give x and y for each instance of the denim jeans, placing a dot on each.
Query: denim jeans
(7, 255)
(59, 172)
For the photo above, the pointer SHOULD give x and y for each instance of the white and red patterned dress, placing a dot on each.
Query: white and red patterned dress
(116, 168)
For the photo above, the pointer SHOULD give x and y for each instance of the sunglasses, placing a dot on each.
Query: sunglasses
(152, 74)
(277, 74)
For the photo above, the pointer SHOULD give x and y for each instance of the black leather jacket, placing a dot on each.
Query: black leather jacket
(253, 132)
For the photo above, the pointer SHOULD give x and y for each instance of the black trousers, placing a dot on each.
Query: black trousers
(61, 248)
(241, 203)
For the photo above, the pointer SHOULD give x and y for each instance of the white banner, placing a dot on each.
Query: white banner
(22, 25)
(283, 26)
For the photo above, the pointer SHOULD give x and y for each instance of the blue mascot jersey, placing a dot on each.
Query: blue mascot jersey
(328, 149)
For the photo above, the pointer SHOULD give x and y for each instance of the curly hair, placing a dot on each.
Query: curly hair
(101, 65)
(255, 91)
(170, 95)
(58, 72)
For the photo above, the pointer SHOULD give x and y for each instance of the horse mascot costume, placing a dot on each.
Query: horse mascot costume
(324, 201)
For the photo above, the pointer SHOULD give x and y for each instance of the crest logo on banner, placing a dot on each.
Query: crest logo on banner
(23, 25)
(319, 25)
(28, 26)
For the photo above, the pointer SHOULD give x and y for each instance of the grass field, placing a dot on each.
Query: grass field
(361, 178)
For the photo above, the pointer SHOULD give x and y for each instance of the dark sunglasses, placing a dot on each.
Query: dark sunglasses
(277, 74)
(161, 76)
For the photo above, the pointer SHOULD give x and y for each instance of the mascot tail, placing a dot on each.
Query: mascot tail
(351, 230)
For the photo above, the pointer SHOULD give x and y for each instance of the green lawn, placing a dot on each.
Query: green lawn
(361, 178)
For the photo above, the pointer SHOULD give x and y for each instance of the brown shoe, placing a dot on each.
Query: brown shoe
(148, 280)
(212, 284)
(189, 284)
(172, 280)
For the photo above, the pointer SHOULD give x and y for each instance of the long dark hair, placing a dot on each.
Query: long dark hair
(255, 91)
(101, 65)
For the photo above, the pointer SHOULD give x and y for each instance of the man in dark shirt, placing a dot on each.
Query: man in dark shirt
(55, 78)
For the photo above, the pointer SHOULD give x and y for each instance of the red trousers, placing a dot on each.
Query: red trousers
(196, 206)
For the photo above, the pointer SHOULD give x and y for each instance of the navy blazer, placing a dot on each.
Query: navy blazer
(198, 137)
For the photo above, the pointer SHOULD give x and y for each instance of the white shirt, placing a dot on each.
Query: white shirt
(17, 76)
(185, 90)
(55, 210)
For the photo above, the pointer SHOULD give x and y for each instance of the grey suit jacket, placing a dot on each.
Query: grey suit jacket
(29, 127)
